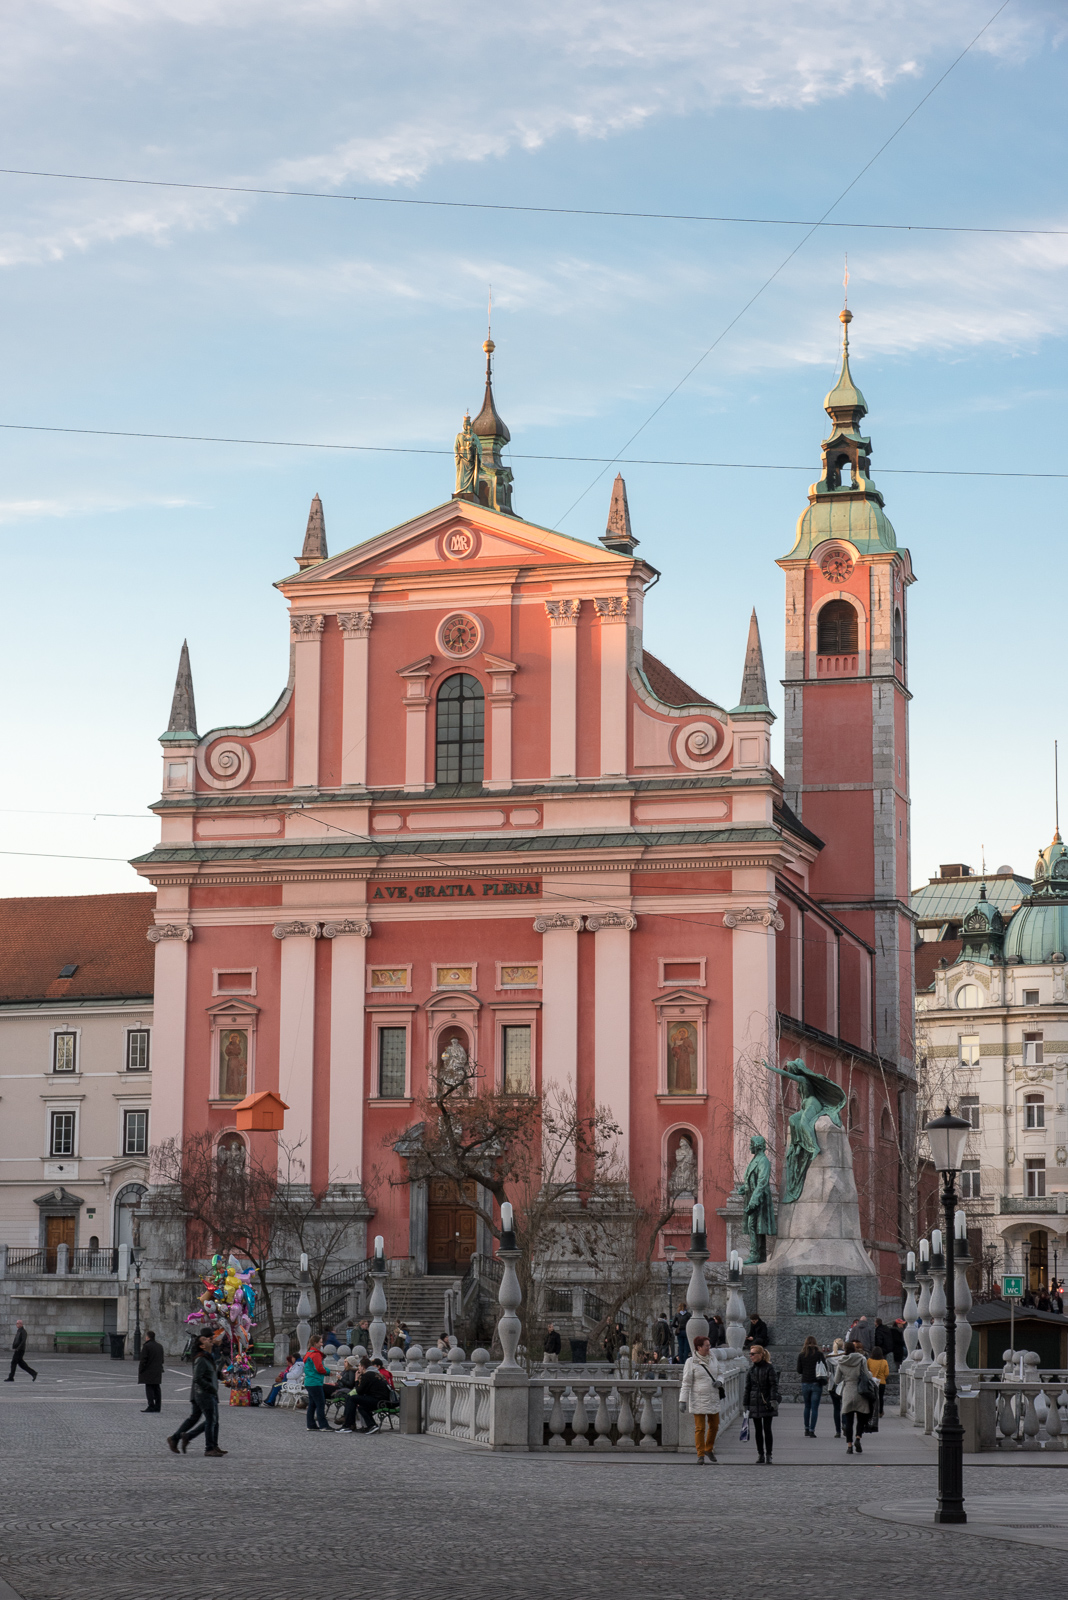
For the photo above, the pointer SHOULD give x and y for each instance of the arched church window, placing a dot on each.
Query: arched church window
(899, 636)
(853, 1116)
(836, 629)
(460, 730)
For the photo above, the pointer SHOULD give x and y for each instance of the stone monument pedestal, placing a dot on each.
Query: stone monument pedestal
(818, 1277)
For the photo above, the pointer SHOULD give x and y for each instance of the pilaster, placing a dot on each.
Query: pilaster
(416, 706)
(612, 613)
(611, 1017)
(559, 1039)
(347, 1029)
(356, 628)
(563, 686)
(500, 700)
(172, 941)
(296, 1034)
(307, 635)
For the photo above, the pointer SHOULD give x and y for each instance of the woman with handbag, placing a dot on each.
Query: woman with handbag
(701, 1394)
(837, 1351)
(859, 1396)
(813, 1372)
(761, 1399)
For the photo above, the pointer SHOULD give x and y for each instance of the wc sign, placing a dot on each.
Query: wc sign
(1012, 1288)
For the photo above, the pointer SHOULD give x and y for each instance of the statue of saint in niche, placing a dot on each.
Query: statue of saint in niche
(683, 1178)
(233, 1064)
(452, 1068)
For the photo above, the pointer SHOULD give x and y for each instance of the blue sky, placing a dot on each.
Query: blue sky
(176, 310)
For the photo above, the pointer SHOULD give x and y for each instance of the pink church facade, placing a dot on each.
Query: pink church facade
(481, 812)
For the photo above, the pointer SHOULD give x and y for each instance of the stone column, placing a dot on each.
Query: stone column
(559, 1039)
(356, 627)
(612, 612)
(611, 1013)
(348, 1091)
(172, 941)
(697, 1290)
(296, 1035)
(563, 686)
(307, 632)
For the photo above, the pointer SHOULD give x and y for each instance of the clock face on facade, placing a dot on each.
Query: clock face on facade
(837, 566)
(460, 635)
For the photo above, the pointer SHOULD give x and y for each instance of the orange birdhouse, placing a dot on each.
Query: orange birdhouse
(261, 1113)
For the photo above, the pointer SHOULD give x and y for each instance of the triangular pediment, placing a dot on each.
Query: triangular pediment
(455, 536)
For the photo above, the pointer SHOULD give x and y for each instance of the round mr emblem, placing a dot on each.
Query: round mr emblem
(459, 544)
(837, 566)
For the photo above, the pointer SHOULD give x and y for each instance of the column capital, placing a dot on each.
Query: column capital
(612, 919)
(296, 930)
(613, 607)
(334, 930)
(559, 920)
(355, 624)
(169, 930)
(753, 917)
(563, 613)
(306, 626)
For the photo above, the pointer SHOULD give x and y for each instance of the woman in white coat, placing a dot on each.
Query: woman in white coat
(701, 1395)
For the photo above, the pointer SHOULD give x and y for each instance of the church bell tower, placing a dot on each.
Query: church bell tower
(846, 760)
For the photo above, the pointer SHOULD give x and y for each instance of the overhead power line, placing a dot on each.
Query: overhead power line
(549, 211)
(768, 281)
(427, 450)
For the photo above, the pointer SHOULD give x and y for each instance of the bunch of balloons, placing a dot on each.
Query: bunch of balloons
(227, 1309)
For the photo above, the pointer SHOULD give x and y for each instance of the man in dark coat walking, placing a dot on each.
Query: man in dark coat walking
(150, 1372)
(18, 1353)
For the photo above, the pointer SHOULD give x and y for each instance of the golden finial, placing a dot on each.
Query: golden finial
(845, 316)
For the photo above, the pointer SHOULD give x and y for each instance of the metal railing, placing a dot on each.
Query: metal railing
(103, 1263)
(30, 1260)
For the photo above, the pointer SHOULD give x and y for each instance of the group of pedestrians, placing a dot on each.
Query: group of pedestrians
(855, 1370)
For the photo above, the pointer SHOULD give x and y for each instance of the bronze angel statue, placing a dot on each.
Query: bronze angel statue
(819, 1097)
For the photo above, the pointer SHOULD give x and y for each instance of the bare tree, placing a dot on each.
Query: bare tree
(558, 1166)
(317, 1223)
(216, 1201)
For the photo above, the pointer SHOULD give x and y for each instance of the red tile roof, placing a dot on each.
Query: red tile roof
(103, 934)
(667, 686)
(928, 956)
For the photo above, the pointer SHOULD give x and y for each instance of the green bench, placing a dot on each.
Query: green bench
(77, 1340)
(262, 1354)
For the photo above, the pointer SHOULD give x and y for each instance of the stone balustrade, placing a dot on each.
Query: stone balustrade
(999, 1410)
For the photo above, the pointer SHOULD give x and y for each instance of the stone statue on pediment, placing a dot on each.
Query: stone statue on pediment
(468, 451)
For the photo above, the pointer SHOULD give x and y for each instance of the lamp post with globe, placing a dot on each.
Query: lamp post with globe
(948, 1136)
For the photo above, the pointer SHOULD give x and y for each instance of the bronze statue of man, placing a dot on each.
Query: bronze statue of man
(759, 1203)
(468, 451)
(820, 1097)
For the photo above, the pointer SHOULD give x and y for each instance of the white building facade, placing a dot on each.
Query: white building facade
(992, 1038)
(76, 1053)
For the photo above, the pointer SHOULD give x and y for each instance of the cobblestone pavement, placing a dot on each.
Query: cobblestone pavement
(95, 1507)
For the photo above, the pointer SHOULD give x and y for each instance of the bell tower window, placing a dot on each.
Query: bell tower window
(899, 636)
(837, 629)
(460, 730)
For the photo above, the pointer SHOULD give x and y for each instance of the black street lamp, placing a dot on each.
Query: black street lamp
(948, 1136)
(135, 1263)
(669, 1253)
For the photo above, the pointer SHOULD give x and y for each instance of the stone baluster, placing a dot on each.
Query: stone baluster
(736, 1314)
(911, 1310)
(697, 1291)
(938, 1305)
(480, 1360)
(557, 1418)
(625, 1420)
(510, 1298)
(377, 1303)
(395, 1357)
(963, 1296)
(923, 1311)
(648, 1422)
(580, 1422)
(413, 1361)
(304, 1307)
(602, 1422)
(1031, 1423)
(455, 1361)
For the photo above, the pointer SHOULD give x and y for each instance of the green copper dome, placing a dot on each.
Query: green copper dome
(862, 522)
(1039, 930)
(1037, 933)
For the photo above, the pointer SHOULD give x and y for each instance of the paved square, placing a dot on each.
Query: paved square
(96, 1508)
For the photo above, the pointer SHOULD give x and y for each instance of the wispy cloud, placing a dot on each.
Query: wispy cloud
(82, 505)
